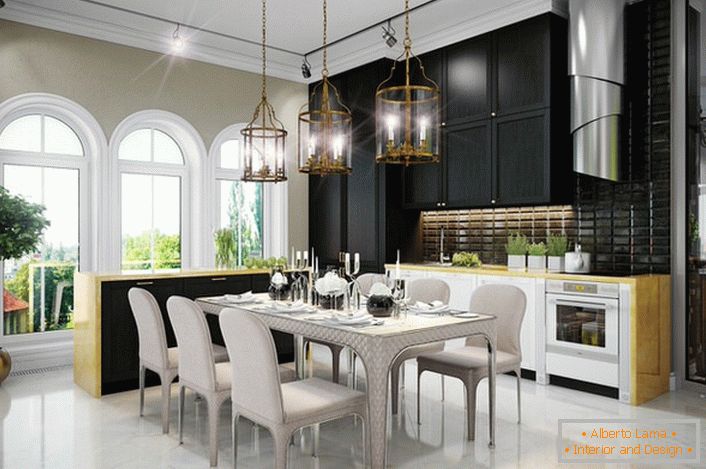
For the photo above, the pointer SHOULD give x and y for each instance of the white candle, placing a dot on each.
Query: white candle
(291, 259)
(316, 266)
(306, 256)
(423, 130)
(356, 259)
(299, 255)
(390, 128)
(312, 146)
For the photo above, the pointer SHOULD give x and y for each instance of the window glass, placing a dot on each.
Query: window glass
(240, 208)
(151, 222)
(166, 149)
(38, 288)
(60, 139)
(137, 146)
(23, 134)
(230, 154)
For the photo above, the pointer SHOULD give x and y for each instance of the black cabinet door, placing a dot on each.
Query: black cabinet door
(195, 287)
(468, 83)
(522, 160)
(468, 165)
(522, 61)
(119, 342)
(423, 186)
(327, 217)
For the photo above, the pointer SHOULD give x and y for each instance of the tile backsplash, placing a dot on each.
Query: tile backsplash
(485, 231)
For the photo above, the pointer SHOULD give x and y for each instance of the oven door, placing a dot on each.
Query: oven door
(582, 324)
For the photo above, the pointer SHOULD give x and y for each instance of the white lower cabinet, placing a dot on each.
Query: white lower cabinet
(462, 286)
(528, 334)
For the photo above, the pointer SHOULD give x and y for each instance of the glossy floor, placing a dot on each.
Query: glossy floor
(49, 422)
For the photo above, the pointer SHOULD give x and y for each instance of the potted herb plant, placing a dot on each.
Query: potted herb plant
(537, 257)
(21, 227)
(557, 245)
(516, 249)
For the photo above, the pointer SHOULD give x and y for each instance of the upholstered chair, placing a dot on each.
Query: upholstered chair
(259, 395)
(153, 352)
(470, 363)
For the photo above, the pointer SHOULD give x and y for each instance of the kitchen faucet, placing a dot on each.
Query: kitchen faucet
(442, 257)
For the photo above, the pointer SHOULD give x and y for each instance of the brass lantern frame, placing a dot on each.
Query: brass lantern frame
(331, 124)
(407, 153)
(265, 128)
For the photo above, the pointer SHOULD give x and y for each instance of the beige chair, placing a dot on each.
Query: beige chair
(153, 352)
(259, 396)
(425, 290)
(366, 281)
(470, 363)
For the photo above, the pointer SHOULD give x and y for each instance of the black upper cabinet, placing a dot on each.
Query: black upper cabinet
(521, 148)
(522, 62)
(468, 165)
(506, 121)
(467, 85)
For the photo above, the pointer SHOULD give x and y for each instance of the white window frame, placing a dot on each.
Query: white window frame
(49, 348)
(192, 203)
(274, 208)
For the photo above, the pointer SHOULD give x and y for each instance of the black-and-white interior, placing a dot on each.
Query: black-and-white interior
(422, 233)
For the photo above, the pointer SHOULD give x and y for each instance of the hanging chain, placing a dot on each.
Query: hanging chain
(324, 72)
(407, 39)
(264, 50)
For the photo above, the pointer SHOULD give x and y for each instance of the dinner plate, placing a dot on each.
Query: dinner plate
(468, 315)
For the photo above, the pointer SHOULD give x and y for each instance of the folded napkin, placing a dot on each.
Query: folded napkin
(433, 307)
(242, 298)
(357, 317)
(298, 305)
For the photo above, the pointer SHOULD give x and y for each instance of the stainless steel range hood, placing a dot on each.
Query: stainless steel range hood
(596, 59)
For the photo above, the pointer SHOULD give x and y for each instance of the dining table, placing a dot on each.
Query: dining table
(376, 345)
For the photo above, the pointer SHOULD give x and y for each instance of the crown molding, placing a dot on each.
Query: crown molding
(247, 58)
(352, 53)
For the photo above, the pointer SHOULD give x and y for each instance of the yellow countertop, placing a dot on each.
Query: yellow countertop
(503, 270)
(117, 276)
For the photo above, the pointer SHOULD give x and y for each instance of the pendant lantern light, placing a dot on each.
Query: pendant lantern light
(325, 127)
(407, 114)
(264, 137)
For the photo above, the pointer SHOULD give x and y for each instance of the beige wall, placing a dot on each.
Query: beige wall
(113, 81)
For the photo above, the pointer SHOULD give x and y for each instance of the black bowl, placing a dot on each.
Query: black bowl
(325, 301)
(380, 306)
(278, 292)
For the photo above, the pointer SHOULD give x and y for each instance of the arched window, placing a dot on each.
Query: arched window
(45, 145)
(239, 206)
(157, 160)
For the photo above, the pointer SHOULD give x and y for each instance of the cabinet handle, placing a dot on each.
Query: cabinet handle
(443, 124)
(492, 114)
(492, 201)
(144, 283)
(218, 279)
(443, 204)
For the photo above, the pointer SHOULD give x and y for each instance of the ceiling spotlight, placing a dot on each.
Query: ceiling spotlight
(306, 68)
(389, 35)
(177, 41)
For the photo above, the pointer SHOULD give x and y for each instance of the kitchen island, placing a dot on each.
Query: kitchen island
(105, 335)
(644, 327)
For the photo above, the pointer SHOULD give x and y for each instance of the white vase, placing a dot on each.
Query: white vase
(515, 262)
(536, 263)
(555, 263)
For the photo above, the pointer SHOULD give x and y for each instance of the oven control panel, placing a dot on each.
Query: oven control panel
(608, 290)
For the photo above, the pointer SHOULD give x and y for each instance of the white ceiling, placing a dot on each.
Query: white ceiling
(293, 25)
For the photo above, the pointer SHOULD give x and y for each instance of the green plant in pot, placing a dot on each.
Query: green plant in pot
(557, 245)
(516, 249)
(537, 257)
(22, 225)
(225, 248)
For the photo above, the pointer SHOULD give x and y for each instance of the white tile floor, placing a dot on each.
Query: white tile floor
(49, 422)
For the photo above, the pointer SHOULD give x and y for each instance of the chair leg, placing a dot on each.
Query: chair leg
(213, 411)
(234, 433)
(180, 422)
(519, 407)
(281, 451)
(315, 434)
(443, 388)
(395, 386)
(471, 408)
(419, 395)
(166, 400)
(142, 389)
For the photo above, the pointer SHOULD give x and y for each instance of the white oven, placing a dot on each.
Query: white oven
(583, 331)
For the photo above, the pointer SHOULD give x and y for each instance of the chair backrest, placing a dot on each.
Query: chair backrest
(253, 358)
(196, 364)
(427, 290)
(150, 327)
(366, 281)
(507, 303)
